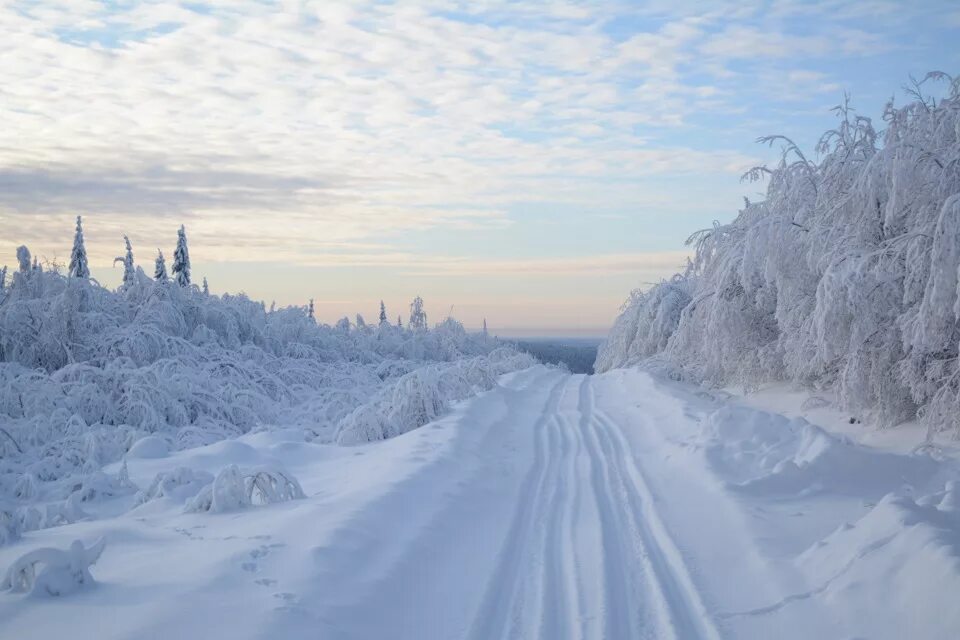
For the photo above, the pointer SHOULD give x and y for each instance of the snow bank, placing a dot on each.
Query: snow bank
(844, 277)
(895, 572)
(425, 394)
(149, 447)
(762, 452)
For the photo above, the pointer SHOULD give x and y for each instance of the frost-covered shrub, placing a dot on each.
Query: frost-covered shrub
(99, 485)
(844, 278)
(425, 394)
(60, 572)
(65, 512)
(179, 484)
(86, 372)
(9, 525)
(647, 321)
(233, 489)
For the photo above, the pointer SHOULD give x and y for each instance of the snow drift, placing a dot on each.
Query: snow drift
(760, 452)
(903, 553)
(844, 278)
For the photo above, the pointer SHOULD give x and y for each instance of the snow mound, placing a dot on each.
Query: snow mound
(762, 452)
(233, 489)
(902, 553)
(61, 572)
(149, 447)
(178, 485)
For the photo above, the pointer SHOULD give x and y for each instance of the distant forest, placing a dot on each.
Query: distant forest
(577, 354)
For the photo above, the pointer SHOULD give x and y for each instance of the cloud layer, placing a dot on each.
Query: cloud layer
(318, 132)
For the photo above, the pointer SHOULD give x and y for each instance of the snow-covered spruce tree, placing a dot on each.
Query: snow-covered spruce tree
(399, 322)
(310, 311)
(418, 317)
(844, 278)
(206, 287)
(129, 270)
(181, 259)
(160, 268)
(383, 314)
(23, 258)
(78, 256)
(485, 333)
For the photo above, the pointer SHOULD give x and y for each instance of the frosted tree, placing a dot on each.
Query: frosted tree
(78, 257)
(399, 322)
(844, 278)
(206, 287)
(160, 268)
(310, 313)
(129, 271)
(485, 334)
(418, 317)
(361, 323)
(343, 324)
(181, 259)
(383, 314)
(3, 277)
(23, 258)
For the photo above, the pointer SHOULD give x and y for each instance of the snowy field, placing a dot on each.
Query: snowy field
(551, 506)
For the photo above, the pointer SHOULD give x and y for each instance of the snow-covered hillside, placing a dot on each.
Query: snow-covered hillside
(844, 278)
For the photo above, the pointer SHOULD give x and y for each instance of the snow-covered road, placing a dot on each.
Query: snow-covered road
(587, 554)
(555, 506)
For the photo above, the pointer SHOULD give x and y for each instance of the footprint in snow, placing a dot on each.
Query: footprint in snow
(265, 582)
(260, 552)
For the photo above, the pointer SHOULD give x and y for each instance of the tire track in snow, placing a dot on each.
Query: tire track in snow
(622, 605)
(411, 572)
(501, 614)
(687, 616)
(560, 593)
(570, 551)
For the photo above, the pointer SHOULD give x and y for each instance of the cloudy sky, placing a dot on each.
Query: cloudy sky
(528, 162)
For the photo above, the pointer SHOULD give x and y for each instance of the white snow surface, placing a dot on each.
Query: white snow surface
(552, 506)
